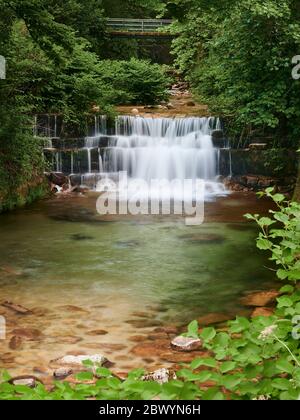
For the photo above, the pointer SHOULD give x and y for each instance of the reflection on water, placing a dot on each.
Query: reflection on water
(80, 274)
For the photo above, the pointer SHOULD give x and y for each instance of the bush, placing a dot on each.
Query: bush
(134, 82)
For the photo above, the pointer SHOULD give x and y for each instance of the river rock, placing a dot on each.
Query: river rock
(144, 323)
(76, 361)
(15, 342)
(30, 381)
(160, 376)
(57, 178)
(135, 111)
(62, 373)
(97, 332)
(30, 334)
(187, 344)
(262, 312)
(154, 348)
(183, 357)
(16, 308)
(214, 318)
(264, 298)
(72, 308)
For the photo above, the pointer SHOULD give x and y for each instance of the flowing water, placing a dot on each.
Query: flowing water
(103, 284)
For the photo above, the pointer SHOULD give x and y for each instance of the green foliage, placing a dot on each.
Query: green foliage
(237, 56)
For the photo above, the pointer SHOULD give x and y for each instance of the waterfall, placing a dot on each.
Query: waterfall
(163, 148)
(147, 149)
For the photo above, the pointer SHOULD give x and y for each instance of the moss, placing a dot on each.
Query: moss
(27, 194)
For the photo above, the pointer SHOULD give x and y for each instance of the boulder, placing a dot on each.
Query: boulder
(186, 344)
(57, 178)
(135, 111)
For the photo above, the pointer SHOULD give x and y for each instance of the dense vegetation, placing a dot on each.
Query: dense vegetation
(250, 359)
(57, 57)
(238, 57)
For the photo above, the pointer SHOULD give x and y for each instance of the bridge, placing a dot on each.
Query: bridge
(139, 27)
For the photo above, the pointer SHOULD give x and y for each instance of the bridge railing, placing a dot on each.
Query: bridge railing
(137, 25)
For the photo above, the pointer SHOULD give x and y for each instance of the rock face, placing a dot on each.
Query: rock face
(260, 299)
(161, 376)
(187, 344)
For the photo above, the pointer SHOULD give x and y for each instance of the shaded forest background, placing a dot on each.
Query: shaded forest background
(236, 55)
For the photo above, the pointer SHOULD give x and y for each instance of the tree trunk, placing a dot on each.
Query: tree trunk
(296, 196)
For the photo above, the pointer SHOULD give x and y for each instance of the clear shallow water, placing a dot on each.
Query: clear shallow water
(59, 253)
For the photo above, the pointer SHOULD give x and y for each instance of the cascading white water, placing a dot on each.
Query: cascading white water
(163, 148)
(156, 149)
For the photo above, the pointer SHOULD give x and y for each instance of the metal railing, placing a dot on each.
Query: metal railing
(137, 25)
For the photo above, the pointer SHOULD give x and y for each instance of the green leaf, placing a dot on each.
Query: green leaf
(263, 244)
(209, 362)
(208, 333)
(287, 289)
(284, 366)
(84, 376)
(284, 301)
(231, 381)
(193, 328)
(281, 383)
(227, 366)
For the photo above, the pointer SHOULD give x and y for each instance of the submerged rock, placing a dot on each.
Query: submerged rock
(214, 318)
(204, 238)
(154, 348)
(15, 342)
(30, 334)
(264, 298)
(161, 376)
(16, 308)
(81, 237)
(127, 244)
(188, 344)
(72, 308)
(97, 332)
(262, 312)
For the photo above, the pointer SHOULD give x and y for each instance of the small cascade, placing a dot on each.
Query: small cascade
(147, 149)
